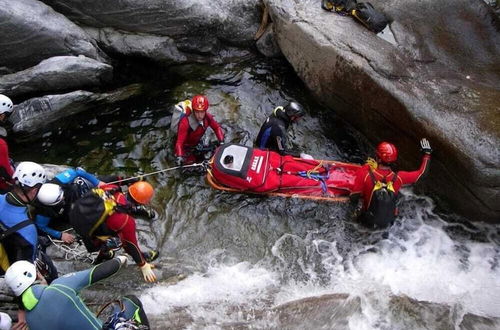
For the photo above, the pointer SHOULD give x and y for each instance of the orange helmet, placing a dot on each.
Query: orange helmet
(387, 152)
(142, 192)
(199, 103)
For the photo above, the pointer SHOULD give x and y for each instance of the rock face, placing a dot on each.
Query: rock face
(55, 74)
(441, 82)
(28, 117)
(32, 31)
(195, 27)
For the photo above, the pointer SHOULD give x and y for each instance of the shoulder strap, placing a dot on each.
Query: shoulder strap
(372, 176)
(15, 228)
(395, 177)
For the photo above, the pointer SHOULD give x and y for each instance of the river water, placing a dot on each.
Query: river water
(257, 262)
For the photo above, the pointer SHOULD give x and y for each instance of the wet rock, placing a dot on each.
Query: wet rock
(157, 48)
(333, 310)
(36, 113)
(195, 27)
(440, 81)
(7, 304)
(32, 31)
(55, 74)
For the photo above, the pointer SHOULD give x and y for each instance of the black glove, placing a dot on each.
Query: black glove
(179, 161)
(425, 146)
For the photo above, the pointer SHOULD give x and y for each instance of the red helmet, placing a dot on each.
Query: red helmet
(199, 103)
(387, 152)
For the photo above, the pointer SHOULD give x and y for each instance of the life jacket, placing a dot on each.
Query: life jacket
(339, 6)
(181, 110)
(373, 19)
(88, 214)
(382, 209)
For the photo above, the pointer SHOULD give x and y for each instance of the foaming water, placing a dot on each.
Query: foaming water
(226, 285)
(421, 257)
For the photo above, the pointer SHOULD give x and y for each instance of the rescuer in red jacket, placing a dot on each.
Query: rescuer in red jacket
(6, 170)
(191, 129)
(379, 185)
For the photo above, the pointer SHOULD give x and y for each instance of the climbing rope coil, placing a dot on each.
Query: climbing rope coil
(75, 251)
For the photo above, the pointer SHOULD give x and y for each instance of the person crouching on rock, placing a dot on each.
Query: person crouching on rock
(106, 213)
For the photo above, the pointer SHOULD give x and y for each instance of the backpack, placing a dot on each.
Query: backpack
(87, 215)
(339, 6)
(181, 110)
(381, 211)
(373, 19)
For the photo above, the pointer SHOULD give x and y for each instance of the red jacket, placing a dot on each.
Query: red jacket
(187, 137)
(5, 164)
(364, 183)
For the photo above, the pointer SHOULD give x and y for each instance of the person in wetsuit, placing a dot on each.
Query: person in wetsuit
(58, 306)
(191, 129)
(378, 184)
(273, 133)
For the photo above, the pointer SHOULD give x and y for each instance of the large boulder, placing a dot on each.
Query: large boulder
(195, 26)
(38, 113)
(55, 74)
(441, 81)
(32, 31)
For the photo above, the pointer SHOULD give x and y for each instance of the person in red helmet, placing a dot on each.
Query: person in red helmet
(379, 185)
(192, 127)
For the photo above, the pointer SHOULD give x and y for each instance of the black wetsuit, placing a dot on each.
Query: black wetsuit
(273, 133)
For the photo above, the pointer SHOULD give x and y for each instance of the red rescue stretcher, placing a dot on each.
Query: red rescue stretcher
(243, 169)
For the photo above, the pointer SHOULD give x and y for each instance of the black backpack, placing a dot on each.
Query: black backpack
(339, 6)
(373, 19)
(382, 209)
(88, 214)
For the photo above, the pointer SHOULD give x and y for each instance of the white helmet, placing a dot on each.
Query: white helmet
(50, 194)
(5, 321)
(6, 104)
(29, 174)
(20, 275)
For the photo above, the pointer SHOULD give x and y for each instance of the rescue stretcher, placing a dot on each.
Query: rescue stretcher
(242, 169)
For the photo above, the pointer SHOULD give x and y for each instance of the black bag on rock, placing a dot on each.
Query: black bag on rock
(373, 19)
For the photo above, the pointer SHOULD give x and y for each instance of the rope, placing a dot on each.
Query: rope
(73, 252)
(157, 172)
(314, 169)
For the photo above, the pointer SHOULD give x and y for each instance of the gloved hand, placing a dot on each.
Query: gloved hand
(425, 146)
(305, 156)
(179, 161)
(147, 273)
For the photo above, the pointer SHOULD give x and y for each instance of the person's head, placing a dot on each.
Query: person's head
(199, 104)
(294, 111)
(228, 159)
(50, 194)
(141, 192)
(6, 107)
(387, 153)
(28, 177)
(20, 276)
